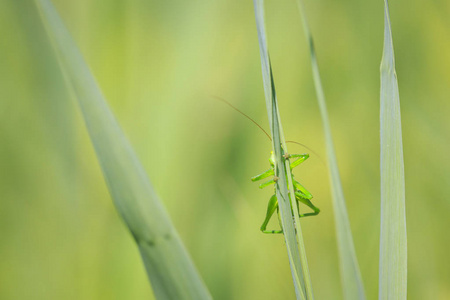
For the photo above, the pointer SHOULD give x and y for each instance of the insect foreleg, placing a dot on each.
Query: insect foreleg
(300, 158)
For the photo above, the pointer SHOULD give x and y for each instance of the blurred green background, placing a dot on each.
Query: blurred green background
(159, 64)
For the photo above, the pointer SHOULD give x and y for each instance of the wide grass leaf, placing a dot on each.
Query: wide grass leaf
(393, 248)
(352, 284)
(169, 267)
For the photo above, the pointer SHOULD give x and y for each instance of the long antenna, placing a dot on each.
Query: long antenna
(236, 109)
(259, 126)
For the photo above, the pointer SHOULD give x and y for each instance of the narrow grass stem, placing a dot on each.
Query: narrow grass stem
(393, 242)
(284, 187)
(351, 277)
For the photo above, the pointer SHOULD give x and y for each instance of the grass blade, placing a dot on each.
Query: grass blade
(393, 248)
(353, 287)
(169, 267)
(292, 229)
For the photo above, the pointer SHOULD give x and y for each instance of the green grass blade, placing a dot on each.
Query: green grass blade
(294, 238)
(169, 267)
(393, 248)
(353, 287)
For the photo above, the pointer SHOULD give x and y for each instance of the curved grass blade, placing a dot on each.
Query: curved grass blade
(169, 267)
(393, 247)
(353, 287)
(292, 229)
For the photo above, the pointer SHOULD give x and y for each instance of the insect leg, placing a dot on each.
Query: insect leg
(299, 197)
(300, 158)
(300, 188)
(263, 185)
(266, 174)
(271, 208)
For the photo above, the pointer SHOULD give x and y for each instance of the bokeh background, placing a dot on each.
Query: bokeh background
(160, 64)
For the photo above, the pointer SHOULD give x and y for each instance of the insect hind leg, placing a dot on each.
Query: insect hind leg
(271, 208)
(307, 202)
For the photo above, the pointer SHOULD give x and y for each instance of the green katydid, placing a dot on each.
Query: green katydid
(301, 193)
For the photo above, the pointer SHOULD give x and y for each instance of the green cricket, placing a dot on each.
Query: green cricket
(301, 193)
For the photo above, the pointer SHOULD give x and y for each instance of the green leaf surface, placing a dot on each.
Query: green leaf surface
(352, 284)
(169, 267)
(284, 187)
(393, 245)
